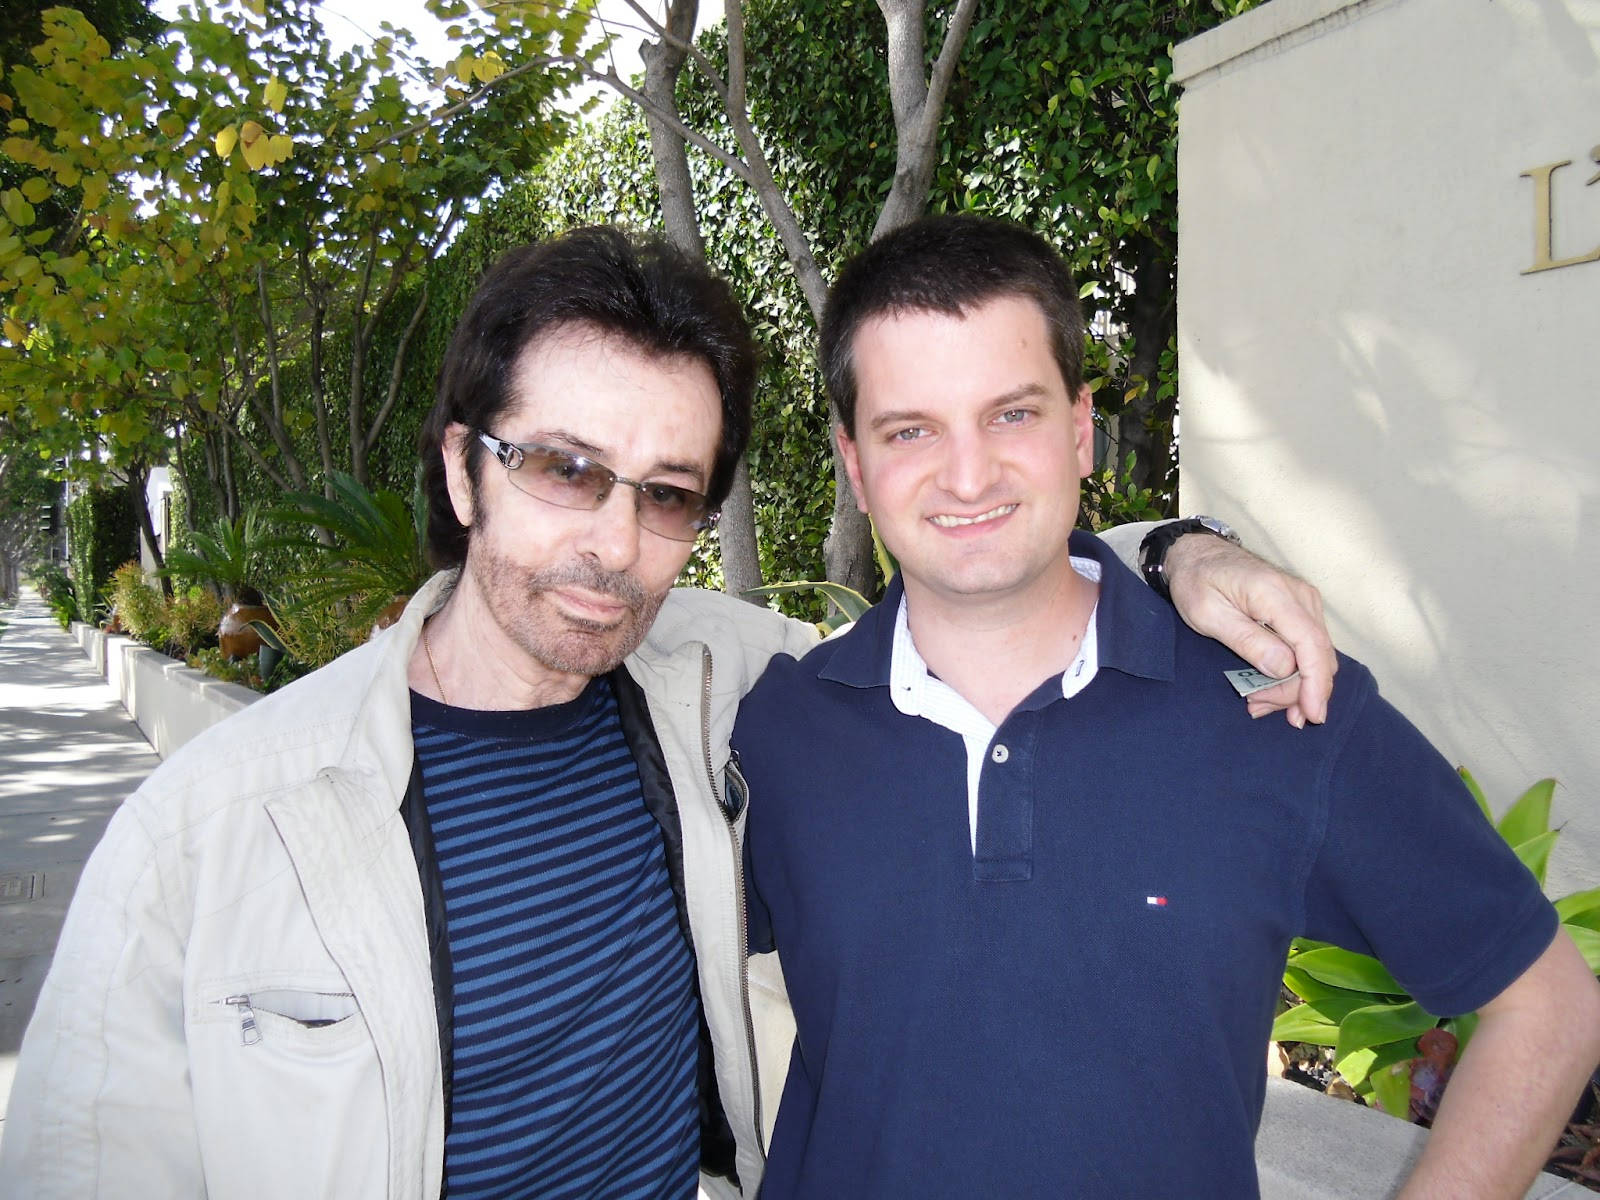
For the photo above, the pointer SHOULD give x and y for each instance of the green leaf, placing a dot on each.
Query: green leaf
(1391, 1088)
(1580, 908)
(1529, 816)
(1356, 1068)
(1535, 853)
(1463, 1027)
(1317, 1021)
(849, 601)
(1309, 988)
(1477, 793)
(1380, 1024)
(1346, 969)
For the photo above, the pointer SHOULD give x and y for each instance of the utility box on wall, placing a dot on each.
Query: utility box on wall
(1389, 339)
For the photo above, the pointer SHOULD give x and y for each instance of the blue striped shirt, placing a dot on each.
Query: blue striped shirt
(575, 1022)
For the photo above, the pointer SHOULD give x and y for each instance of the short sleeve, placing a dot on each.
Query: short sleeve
(1409, 871)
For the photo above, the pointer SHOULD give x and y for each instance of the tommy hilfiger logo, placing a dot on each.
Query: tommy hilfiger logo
(1156, 901)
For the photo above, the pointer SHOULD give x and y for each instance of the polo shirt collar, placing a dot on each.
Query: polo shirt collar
(1135, 627)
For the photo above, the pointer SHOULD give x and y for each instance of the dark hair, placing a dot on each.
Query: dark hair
(638, 288)
(949, 265)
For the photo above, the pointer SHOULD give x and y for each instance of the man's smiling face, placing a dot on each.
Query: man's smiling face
(968, 449)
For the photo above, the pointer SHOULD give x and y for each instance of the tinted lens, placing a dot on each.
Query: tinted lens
(673, 512)
(561, 478)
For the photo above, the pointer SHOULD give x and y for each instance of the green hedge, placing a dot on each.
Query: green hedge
(103, 529)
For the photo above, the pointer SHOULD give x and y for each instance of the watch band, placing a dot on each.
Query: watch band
(1153, 549)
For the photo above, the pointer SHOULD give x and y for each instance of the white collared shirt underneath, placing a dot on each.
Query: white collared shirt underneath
(919, 693)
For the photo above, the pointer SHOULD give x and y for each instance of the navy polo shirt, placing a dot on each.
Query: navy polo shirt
(1082, 1006)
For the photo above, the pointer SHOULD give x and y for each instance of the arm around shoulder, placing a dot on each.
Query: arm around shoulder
(100, 1105)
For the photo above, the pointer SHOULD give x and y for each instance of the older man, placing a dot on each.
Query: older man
(464, 908)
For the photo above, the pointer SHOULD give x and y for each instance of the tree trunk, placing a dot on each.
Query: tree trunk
(1146, 424)
(663, 61)
(138, 478)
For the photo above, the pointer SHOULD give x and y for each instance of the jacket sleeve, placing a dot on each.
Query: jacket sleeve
(101, 1104)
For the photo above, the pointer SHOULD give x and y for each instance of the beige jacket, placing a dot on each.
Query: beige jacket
(262, 878)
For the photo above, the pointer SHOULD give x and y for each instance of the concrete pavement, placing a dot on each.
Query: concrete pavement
(69, 753)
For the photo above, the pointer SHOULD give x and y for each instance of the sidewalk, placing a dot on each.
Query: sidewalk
(69, 753)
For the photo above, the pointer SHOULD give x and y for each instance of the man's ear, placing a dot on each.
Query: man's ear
(457, 478)
(852, 464)
(1083, 429)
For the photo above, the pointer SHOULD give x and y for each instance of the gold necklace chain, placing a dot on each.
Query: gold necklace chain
(427, 649)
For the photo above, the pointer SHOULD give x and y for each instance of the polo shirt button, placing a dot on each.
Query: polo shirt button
(1000, 753)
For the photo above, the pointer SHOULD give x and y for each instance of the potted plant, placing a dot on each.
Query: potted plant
(230, 559)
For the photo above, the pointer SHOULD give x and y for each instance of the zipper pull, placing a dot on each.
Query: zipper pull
(249, 1035)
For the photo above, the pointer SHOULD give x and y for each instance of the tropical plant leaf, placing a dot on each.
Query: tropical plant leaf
(1529, 817)
(1477, 793)
(1346, 969)
(1580, 908)
(1317, 1021)
(1535, 853)
(1463, 1027)
(1356, 1068)
(847, 600)
(1380, 1024)
(1309, 988)
(1391, 1088)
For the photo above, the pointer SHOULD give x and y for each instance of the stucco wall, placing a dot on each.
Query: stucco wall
(1373, 388)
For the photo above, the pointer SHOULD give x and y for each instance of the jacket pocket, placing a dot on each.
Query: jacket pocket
(292, 1020)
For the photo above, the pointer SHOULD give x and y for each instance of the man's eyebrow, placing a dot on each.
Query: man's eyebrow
(662, 466)
(911, 416)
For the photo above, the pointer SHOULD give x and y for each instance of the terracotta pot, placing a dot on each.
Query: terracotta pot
(391, 613)
(234, 634)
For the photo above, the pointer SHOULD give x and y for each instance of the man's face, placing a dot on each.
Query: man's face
(575, 591)
(968, 449)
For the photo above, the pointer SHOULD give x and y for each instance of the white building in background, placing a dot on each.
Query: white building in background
(158, 495)
(1389, 298)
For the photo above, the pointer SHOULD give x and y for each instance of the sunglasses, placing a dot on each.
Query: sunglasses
(570, 480)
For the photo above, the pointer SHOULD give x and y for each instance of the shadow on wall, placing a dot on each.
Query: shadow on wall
(1381, 398)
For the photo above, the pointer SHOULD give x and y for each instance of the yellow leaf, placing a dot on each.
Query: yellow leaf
(227, 138)
(249, 133)
(279, 147)
(256, 152)
(36, 189)
(275, 94)
(17, 125)
(68, 176)
(463, 68)
(488, 67)
(15, 332)
(18, 210)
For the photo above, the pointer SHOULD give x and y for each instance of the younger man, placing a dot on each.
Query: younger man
(1024, 856)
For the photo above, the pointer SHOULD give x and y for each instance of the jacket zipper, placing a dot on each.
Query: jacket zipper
(738, 876)
(249, 1034)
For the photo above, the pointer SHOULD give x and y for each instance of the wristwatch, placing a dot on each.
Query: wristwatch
(1153, 550)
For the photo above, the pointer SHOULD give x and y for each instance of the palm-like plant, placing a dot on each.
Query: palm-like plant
(376, 552)
(230, 558)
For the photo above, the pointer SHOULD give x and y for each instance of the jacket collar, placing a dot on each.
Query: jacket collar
(1135, 627)
(380, 735)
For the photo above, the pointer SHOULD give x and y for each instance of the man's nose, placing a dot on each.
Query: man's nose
(613, 533)
(968, 467)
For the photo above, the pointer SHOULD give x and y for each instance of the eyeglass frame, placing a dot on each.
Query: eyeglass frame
(504, 450)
